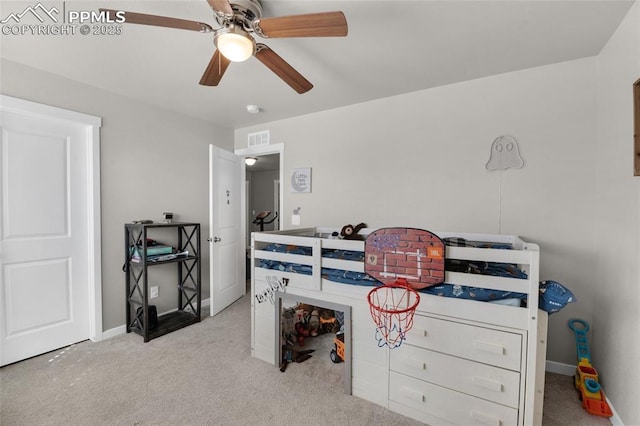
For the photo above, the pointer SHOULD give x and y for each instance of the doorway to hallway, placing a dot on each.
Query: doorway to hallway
(263, 192)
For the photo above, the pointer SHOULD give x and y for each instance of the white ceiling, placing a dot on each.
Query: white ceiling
(393, 47)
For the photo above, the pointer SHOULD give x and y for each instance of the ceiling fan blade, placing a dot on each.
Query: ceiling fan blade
(215, 70)
(221, 6)
(160, 21)
(282, 69)
(325, 24)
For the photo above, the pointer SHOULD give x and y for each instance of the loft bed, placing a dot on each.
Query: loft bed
(341, 261)
(479, 268)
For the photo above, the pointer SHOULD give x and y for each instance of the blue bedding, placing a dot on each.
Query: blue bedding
(553, 295)
(337, 275)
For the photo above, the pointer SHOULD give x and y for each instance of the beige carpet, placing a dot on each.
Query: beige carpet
(562, 407)
(204, 375)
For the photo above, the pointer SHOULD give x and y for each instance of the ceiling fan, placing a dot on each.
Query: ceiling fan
(239, 21)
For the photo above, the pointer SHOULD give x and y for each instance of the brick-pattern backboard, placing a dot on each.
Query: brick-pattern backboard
(412, 254)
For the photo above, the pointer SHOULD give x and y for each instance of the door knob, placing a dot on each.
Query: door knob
(216, 239)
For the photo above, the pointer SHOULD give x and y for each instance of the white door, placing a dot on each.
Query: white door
(226, 223)
(45, 249)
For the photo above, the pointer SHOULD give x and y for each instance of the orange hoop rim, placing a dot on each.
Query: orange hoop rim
(406, 287)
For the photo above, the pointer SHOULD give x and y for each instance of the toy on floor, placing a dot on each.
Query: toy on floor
(586, 377)
(337, 353)
(314, 323)
(301, 324)
(301, 331)
(291, 355)
(328, 321)
(288, 326)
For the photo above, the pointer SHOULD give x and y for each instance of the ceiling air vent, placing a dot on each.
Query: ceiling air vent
(258, 138)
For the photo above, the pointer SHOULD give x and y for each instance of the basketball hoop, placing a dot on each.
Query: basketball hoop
(392, 306)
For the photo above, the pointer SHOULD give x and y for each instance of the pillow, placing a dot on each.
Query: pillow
(554, 296)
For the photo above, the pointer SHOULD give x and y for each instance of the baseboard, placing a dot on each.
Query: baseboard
(113, 332)
(569, 370)
(615, 418)
(560, 368)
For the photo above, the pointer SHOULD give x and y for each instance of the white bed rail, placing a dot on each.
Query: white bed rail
(524, 255)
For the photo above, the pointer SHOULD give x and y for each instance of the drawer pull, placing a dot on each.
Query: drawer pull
(489, 347)
(422, 332)
(414, 395)
(490, 384)
(415, 363)
(485, 419)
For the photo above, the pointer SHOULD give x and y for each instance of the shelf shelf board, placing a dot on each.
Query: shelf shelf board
(164, 262)
(162, 225)
(169, 322)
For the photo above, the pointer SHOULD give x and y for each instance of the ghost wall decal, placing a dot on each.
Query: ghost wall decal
(505, 154)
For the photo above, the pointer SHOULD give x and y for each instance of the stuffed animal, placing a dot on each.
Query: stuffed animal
(314, 323)
(301, 331)
(350, 232)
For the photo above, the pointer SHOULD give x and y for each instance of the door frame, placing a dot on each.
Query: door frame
(257, 151)
(93, 124)
(276, 203)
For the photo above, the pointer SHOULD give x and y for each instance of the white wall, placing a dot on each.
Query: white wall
(419, 160)
(152, 161)
(616, 333)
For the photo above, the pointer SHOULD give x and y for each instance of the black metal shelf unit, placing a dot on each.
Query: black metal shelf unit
(187, 260)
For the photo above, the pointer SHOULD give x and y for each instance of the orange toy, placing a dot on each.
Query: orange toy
(337, 353)
(586, 377)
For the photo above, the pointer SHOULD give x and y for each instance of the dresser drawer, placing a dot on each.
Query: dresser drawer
(455, 407)
(486, 345)
(473, 378)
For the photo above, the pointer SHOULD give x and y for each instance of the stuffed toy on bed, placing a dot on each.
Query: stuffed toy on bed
(350, 232)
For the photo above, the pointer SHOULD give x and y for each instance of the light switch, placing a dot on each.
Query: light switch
(295, 219)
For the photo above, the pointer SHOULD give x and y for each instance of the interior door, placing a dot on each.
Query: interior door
(226, 228)
(44, 248)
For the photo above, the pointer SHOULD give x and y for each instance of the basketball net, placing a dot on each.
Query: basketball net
(392, 306)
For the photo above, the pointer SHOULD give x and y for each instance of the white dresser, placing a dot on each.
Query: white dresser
(460, 371)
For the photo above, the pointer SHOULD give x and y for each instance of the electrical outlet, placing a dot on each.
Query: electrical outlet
(154, 292)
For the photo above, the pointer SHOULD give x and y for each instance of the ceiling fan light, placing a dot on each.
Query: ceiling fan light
(235, 44)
